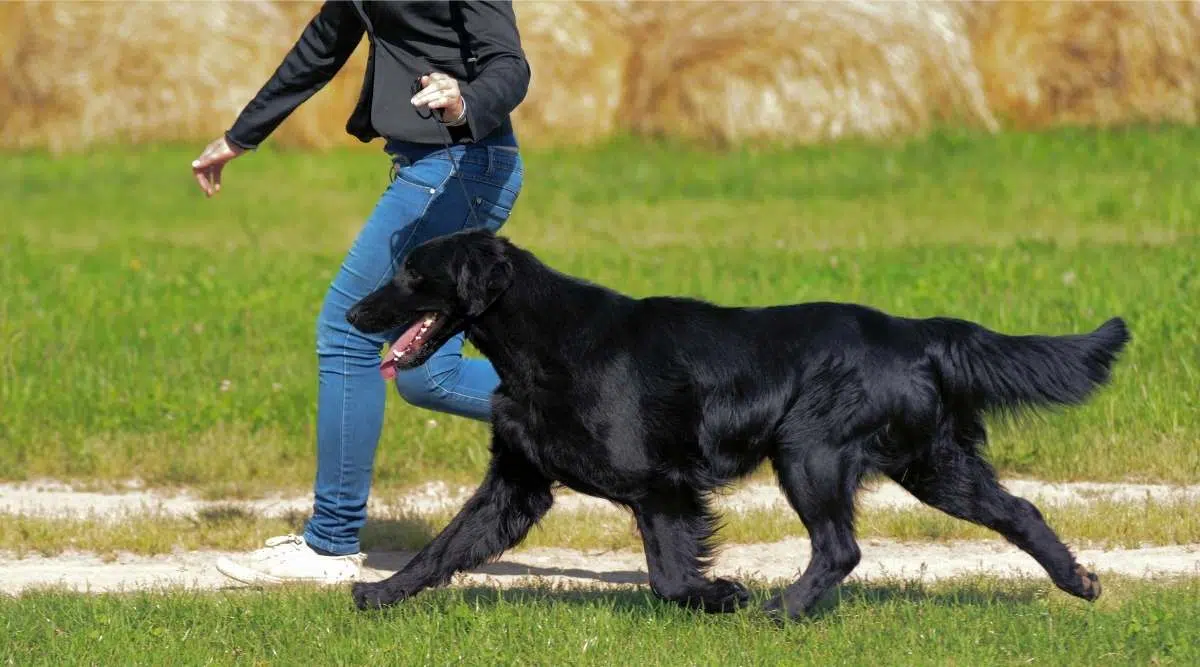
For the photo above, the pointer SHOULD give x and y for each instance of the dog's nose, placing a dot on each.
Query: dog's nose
(353, 314)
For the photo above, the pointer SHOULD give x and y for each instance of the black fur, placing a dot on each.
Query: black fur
(654, 403)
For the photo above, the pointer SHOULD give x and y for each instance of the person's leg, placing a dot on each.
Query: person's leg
(350, 398)
(351, 391)
(450, 382)
(423, 202)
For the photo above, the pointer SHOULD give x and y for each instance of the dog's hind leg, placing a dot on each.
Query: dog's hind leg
(677, 528)
(960, 483)
(820, 483)
(512, 498)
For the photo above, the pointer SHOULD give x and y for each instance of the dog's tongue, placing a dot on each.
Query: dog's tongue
(387, 367)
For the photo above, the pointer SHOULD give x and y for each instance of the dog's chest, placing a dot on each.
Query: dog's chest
(559, 447)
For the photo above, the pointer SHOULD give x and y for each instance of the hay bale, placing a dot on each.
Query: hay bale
(800, 71)
(142, 73)
(182, 71)
(785, 72)
(321, 121)
(578, 53)
(1091, 63)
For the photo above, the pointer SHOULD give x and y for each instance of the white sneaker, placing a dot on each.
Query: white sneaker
(288, 558)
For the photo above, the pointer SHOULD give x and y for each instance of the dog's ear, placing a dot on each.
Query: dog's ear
(483, 273)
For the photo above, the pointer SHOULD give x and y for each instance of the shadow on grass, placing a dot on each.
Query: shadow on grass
(641, 601)
(404, 533)
(951, 594)
(391, 561)
(871, 594)
(632, 592)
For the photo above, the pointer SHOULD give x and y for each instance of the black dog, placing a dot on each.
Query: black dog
(653, 403)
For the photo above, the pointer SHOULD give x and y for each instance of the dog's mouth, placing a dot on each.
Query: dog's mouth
(413, 346)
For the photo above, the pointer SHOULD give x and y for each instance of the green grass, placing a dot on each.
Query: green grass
(1103, 524)
(962, 622)
(148, 332)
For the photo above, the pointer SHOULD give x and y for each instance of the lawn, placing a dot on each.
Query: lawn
(147, 332)
(958, 622)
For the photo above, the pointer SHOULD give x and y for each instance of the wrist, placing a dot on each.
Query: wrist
(236, 146)
(460, 119)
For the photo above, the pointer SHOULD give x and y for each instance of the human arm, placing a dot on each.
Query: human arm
(322, 49)
(502, 77)
(324, 46)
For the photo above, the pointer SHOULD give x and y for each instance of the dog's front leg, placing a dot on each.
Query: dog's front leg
(512, 498)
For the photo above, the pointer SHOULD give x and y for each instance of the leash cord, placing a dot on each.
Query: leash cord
(447, 142)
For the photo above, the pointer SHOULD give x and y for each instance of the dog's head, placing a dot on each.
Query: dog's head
(440, 287)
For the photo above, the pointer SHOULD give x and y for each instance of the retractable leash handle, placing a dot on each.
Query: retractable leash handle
(447, 142)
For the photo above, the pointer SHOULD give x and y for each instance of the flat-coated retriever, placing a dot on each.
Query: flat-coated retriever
(653, 403)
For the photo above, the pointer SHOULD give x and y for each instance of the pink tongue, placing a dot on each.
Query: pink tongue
(387, 368)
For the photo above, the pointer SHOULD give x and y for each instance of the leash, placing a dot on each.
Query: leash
(447, 143)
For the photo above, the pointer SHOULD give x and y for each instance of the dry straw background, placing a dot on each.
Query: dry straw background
(77, 73)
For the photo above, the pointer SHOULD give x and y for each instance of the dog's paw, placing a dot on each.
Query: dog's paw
(374, 595)
(781, 610)
(727, 595)
(718, 597)
(776, 609)
(1089, 584)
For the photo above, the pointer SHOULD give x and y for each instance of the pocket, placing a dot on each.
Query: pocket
(491, 210)
(428, 175)
(494, 190)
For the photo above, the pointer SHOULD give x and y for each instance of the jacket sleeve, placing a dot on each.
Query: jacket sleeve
(503, 74)
(324, 46)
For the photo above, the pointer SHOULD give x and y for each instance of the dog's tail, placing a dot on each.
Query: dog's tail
(994, 371)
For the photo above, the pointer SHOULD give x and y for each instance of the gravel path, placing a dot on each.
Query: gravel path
(57, 499)
(772, 561)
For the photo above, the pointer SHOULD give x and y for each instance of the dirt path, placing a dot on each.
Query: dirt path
(772, 561)
(57, 499)
(781, 560)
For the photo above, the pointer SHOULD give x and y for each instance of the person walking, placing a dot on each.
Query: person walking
(441, 81)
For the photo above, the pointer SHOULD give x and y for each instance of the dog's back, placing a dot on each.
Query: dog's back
(754, 376)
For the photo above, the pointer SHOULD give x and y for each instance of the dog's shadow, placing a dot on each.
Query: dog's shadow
(391, 561)
(640, 599)
(391, 544)
(959, 594)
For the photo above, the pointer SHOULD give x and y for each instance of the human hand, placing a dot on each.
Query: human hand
(207, 167)
(441, 91)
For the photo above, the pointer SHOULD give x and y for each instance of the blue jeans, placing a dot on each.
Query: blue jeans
(423, 201)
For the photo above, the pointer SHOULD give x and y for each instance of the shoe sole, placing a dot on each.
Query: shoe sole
(245, 575)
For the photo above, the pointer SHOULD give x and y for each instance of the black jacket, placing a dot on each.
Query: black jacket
(475, 42)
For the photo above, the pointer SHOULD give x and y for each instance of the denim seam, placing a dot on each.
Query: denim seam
(345, 359)
(492, 183)
(450, 392)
